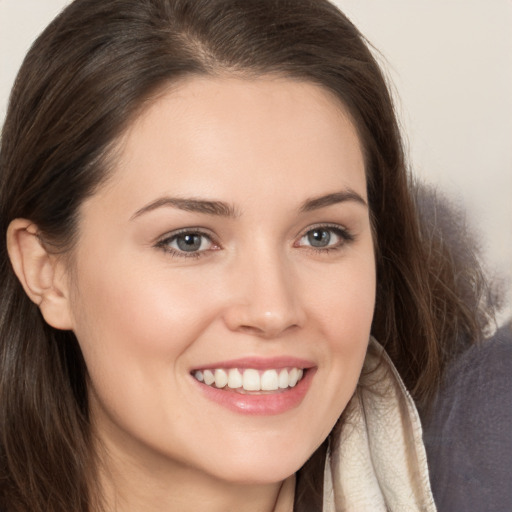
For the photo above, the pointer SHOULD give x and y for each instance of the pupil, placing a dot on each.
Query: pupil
(319, 237)
(189, 243)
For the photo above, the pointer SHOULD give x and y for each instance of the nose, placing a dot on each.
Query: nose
(264, 299)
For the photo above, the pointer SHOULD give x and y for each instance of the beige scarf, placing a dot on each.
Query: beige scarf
(377, 461)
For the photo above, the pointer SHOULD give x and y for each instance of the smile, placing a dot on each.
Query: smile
(250, 379)
(254, 385)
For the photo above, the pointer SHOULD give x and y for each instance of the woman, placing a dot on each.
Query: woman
(207, 216)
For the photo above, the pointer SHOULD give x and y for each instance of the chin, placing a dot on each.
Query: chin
(263, 468)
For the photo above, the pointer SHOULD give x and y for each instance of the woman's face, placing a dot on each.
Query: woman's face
(233, 243)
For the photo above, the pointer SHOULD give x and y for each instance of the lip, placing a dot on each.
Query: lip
(259, 404)
(258, 363)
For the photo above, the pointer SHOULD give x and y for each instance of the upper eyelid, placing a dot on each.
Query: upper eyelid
(183, 231)
(325, 225)
(208, 233)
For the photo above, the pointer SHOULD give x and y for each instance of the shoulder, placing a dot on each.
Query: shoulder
(467, 437)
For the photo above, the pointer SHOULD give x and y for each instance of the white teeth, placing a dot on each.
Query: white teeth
(269, 380)
(235, 379)
(208, 377)
(293, 376)
(283, 379)
(221, 378)
(250, 379)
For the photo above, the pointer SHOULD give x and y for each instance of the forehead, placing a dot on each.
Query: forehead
(256, 136)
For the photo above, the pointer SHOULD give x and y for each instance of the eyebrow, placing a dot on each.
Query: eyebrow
(222, 209)
(336, 197)
(190, 205)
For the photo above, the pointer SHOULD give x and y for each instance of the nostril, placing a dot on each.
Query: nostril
(266, 331)
(250, 329)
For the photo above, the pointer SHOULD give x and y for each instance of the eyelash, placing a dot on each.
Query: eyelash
(165, 242)
(344, 235)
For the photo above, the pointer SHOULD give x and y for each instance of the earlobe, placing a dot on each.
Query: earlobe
(40, 273)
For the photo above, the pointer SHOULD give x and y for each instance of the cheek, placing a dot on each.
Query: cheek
(133, 328)
(345, 315)
(144, 312)
(344, 300)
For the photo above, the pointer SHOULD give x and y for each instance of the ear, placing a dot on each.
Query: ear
(43, 275)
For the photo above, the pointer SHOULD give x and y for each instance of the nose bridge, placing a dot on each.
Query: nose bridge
(265, 299)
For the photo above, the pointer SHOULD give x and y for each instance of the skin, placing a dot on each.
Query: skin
(145, 316)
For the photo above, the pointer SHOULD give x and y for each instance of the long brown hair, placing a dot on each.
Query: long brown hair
(85, 78)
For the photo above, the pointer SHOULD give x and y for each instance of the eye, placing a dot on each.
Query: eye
(325, 237)
(187, 243)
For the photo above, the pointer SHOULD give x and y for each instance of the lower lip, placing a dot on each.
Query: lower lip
(265, 404)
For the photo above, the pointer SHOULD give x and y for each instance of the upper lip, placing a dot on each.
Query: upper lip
(259, 363)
